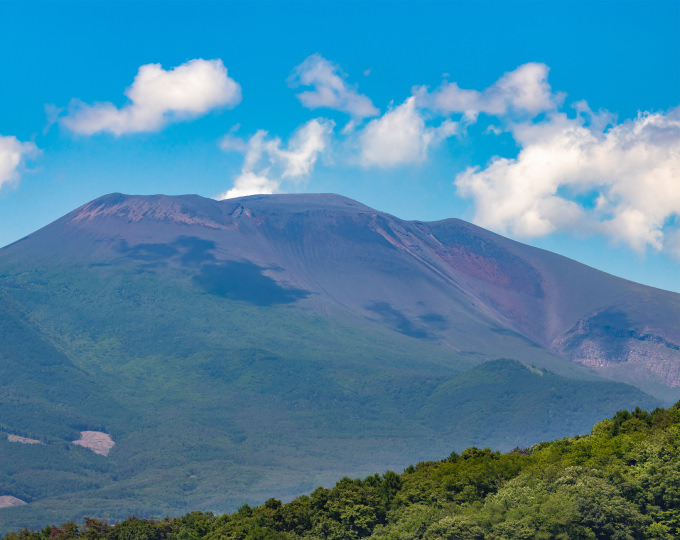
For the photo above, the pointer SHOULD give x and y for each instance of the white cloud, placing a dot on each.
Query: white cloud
(329, 88)
(250, 183)
(158, 97)
(304, 147)
(400, 136)
(13, 153)
(522, 91)
(267, 164)
(570, 174)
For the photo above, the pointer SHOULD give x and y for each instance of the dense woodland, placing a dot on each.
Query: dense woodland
(620, 482)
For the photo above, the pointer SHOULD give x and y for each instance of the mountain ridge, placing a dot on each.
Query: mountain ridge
(544, 297)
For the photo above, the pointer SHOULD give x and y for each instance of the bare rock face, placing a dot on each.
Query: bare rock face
(609, 340)
(164, 209)
(22, 440)
(97, 441)
(7, 500)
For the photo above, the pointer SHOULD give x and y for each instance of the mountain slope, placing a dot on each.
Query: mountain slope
(449, 280)
(257, 341)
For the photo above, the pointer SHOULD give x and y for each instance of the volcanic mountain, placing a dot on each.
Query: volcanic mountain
(229, 351)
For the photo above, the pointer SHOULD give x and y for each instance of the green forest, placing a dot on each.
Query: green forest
(214, 403)
(622, 481)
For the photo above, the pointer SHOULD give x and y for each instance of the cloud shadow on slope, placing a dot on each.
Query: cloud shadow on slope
(245, 281)
(190, 251)
(397, 320)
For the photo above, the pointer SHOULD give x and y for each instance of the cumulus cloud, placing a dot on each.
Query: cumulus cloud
(13, 154)
(329, 88)
(524, 91)
(266, 163)
(400, 136)
(250, 183)
(158, 97)
(571, 174)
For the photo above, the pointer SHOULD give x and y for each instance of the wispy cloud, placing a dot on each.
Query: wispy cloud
(329, 88)
(523, 91)
(13, 154)
(267, 164)
(158, 97)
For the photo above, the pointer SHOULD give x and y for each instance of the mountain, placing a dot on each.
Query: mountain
(241, 349)
(445, 281)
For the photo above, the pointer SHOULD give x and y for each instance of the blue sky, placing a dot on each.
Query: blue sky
(555, 123)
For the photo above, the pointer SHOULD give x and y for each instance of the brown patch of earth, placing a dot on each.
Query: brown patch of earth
(97, 441)
(23, 440)
(7, 500)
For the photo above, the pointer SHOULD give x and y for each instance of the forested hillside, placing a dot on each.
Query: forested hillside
(620, 482)
(232, 351)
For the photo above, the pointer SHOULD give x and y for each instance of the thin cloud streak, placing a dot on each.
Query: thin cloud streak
(329, 89)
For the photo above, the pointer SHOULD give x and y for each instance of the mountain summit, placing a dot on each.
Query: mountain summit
(447, 281)
(230, 351)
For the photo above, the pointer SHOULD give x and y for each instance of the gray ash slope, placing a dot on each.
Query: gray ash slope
(442, 280)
